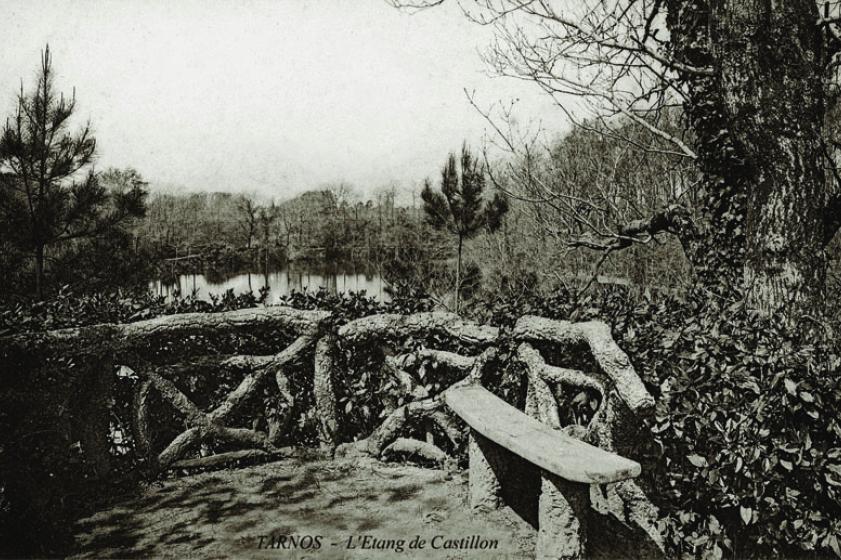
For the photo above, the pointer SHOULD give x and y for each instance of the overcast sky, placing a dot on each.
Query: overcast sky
(273, 97)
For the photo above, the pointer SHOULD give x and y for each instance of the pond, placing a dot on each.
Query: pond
(281, 280)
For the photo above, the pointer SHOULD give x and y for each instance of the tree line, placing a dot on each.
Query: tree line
(334, 221)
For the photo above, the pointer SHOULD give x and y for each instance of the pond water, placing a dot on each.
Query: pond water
(281, 281)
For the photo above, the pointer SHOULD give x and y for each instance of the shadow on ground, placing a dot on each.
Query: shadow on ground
(225, 514)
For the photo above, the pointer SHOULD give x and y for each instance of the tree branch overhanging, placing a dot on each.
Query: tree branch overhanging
(673, 219)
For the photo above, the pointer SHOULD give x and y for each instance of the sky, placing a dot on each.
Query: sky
(266, 97)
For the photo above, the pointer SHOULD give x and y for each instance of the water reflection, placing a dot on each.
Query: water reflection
(281, 281)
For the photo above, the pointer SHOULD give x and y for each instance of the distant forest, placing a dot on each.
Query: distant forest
(330, 223)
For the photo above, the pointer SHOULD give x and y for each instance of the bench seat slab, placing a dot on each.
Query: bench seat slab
(537, 443)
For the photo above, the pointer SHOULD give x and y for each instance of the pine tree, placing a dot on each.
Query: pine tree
(48, 181)
(459, 208)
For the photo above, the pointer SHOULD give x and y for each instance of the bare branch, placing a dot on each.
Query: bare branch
(673, 220)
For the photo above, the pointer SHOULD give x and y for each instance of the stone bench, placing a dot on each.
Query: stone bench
(567, 467)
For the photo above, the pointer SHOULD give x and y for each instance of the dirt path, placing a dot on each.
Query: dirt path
(328, 507)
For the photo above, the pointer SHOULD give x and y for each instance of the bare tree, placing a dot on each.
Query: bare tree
(591, 188)
(267, 216)
(248, 211)
(753, 79)
(343, 193)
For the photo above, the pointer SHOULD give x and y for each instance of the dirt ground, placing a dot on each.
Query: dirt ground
(327, 508)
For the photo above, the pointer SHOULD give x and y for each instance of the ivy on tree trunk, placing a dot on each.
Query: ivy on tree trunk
(758, 128)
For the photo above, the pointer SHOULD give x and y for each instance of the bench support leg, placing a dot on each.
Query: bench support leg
(484, 480)
(563, 511)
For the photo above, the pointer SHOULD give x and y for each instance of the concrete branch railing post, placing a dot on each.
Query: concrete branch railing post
(94, 414)
(486, 473)
(325, 369)
(623, 399)
(562, 518)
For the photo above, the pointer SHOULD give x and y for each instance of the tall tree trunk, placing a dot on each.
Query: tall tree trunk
(757, 123)
(773, 93)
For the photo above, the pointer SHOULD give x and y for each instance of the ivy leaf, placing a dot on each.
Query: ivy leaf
(791, 386)
(746, 513)
(697, 461)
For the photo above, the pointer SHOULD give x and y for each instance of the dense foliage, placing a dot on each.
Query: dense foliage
(333, 221)
(746, 416)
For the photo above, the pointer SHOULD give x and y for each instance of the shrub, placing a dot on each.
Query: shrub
(747, 415)
(748, 418)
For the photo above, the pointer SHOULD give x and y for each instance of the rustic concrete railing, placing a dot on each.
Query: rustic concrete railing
(615, 425)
